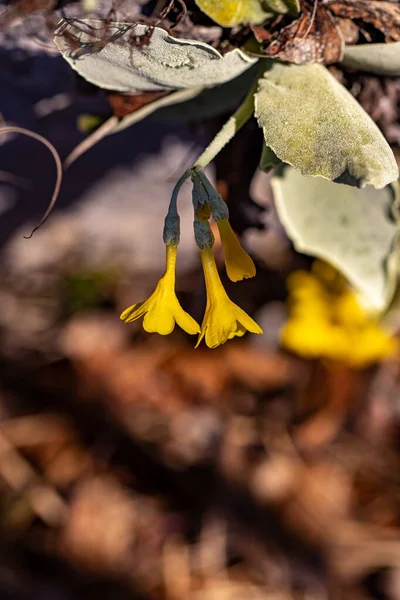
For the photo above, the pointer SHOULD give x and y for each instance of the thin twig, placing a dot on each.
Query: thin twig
(6, 177)
(57, 159)
(314, 12)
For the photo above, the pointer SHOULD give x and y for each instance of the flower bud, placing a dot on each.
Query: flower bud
(202, 234)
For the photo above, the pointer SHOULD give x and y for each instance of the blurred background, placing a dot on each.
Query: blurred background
(133, 466)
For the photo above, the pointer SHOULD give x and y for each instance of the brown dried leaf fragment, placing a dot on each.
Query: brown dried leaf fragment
(383, 15)
(313, 37)
(349, 30)
(21, 9)
(261, 34)
(126, 104)
(380, 98)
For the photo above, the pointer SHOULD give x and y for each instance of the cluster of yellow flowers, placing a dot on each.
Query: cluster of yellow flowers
(223, 319)
(326, 320)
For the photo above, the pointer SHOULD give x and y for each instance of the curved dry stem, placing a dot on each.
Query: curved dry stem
(14, 180)
(90, 141)
(57, 159)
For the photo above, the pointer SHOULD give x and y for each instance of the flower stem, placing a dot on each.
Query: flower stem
(173, 205)
(229, 130)
(171, 231)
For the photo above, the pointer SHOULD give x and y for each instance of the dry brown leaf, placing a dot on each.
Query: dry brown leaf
(275, 479)
(201, 374)
(311, 38)
(22, 9)
(320, 503)
(349, 31)
(126, 104)
(342, 388)
(33, 430)
(260, 369)
(99, 532)
(383, 15)
(70, 464)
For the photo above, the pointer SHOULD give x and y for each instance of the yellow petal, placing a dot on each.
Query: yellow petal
(246, 321)
(159, 319)
(162, 308)
(218, 332)
(372, 345)
(327, 321)
(186, 322)
(201, 336)
(229, 13)
(136, 311)
(306, 338)
(240, 331)
(348, 311)
(223, 319)
(238, 263)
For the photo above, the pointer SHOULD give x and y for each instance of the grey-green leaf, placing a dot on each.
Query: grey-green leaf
(268, 160)
(313, 123)
(283, 6)
(294, 6)
(350, 228)
(105, 55)
(278, 6)
(382, 59)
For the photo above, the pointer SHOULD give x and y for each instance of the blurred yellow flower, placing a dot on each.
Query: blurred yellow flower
(327, 321)
(229, 13)
(223, 319)
(162, 308)
(238, 263)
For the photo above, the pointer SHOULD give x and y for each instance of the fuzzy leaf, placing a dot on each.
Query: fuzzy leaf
(268, 160)
(313, 123)
(382, 59)
(283, 6)
(182, 105)
(293, 6)
(350, 228)
(106, 56)
(229, 13)
(278, 6)
(211, 102)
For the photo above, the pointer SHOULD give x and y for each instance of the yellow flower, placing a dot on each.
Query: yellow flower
(162, 308)
(327, 321)
(372, 345)
(229, 13)
(238, 263)
(223, 319)
(313, 338)
(349, 310)
(307, 295)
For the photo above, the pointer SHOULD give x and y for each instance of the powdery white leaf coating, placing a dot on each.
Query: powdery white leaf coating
(229, 13)
(314, 124)
(348, 227)
(105, 56)
(382, 59)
